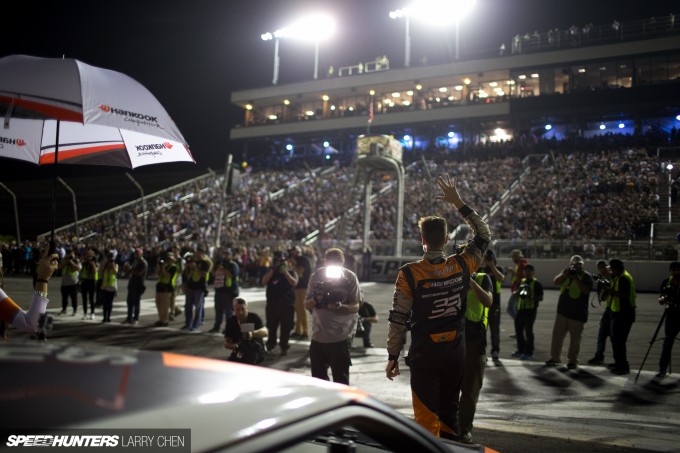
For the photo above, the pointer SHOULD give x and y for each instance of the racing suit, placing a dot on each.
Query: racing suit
(429, 297)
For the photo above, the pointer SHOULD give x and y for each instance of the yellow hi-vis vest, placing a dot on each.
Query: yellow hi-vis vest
(475, 311)
(615, 306)
(527, 303)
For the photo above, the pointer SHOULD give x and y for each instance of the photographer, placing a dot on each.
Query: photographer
(572, 311)
(602, 282)
(109, 273)
(529, 295)
(622, 295)
(195, 285)
(280, 309)
(137, 270)
(167, 276)
(89, 275)
(669, 297)
(243, 334)
(333, 299)
(226, 288)
(70, 277)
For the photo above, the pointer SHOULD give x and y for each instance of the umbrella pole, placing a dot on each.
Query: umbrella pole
(53, 247)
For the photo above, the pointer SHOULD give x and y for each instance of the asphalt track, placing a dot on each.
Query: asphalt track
(524, 405)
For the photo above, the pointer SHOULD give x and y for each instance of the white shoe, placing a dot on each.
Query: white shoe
(86, 316)
(91, 315)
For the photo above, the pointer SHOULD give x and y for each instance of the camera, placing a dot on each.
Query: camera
(279, 260)
(669, 297)
(523, 290)
(601, 281)
(45, 323)
(572, 270)
(333, 290)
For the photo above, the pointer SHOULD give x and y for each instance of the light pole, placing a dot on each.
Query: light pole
(433, 12)
(268, 37)
(669, 167)
(407, 45)
(314, 27)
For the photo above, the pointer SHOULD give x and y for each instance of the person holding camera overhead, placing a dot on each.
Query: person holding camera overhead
(70, 278)
(529, 295)
(572, 311)
(89, 275)
(669, 296)
(280, 281)
(333, 298)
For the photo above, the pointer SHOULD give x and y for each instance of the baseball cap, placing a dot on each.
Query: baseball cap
(576, 259)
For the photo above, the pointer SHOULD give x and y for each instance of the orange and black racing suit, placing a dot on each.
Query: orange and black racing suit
(429, 297)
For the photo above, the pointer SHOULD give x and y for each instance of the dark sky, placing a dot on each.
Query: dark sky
(192, 53)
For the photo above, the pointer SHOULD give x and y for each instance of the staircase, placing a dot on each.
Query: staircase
(667, 227)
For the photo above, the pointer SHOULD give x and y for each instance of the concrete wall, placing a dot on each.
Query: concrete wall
(648, 275)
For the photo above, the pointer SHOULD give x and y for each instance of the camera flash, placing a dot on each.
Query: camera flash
(333, 271)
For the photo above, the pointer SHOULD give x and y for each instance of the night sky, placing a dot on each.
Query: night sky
(192, 54)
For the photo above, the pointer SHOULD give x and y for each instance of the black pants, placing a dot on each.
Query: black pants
(279, 313)
(87, 289)
(495, 327)
(435, 391)
(620, 328)
(134, 299)
(69, 291)
(524, 329)
(671, 330)
(333, 355)
(603, 334)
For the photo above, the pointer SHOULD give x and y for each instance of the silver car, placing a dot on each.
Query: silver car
(50, 390)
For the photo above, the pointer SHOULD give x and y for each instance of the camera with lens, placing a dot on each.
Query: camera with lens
(333, 290)
(45, 323)
(524, 290)
(669, 296)
(601, 281)
(572, 271)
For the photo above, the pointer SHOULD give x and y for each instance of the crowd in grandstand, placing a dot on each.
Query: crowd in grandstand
(587, 189)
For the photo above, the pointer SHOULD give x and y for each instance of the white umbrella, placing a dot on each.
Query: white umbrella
(65, 111)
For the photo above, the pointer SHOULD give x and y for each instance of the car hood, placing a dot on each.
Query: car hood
(113, 387)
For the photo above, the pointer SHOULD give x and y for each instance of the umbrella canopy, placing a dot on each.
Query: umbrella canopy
(63, 110)
(102, 117)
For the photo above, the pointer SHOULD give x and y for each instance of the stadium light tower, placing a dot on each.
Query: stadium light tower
(314, 27)
(433, 12)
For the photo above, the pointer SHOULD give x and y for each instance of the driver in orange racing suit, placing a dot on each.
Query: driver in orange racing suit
(429, 298)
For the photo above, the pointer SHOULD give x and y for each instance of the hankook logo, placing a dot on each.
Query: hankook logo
(139, 116)
(165, 145)
(13, 141)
